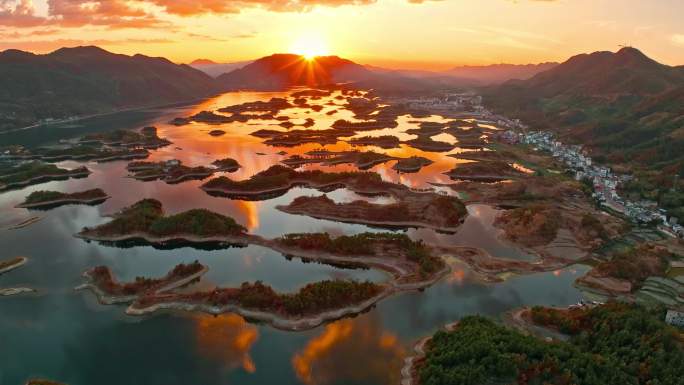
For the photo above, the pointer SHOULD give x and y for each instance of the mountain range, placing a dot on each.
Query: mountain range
(628, 108)
(89, 80)
(625, 106)
(214, 69)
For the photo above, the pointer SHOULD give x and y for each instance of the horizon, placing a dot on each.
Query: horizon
(331, 54)
(492, 32)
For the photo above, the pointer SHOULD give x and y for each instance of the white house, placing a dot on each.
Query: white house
(675, 318)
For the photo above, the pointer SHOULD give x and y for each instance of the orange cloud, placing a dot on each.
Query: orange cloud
(18, 13)
(117, 14)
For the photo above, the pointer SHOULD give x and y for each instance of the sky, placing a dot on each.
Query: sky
(410, 34)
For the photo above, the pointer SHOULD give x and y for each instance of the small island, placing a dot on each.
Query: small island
(26, 174)
(146, 138)
(7, 266)
(52, 199)
(109, 291)
(412, 164)
(277, 180)
(298, 137)
(426, 143)
(43, 382)
(307, 308)
(11, 264)
(439, 212)
(362, 160)
(173, 171)
(383, 141)
(217, 132)
(145, 220)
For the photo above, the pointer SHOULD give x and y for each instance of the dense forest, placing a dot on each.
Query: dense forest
(610, 344)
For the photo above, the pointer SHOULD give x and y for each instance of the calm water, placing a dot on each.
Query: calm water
(67, 336)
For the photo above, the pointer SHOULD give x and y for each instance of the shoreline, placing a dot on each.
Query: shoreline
(292, 184)
(402, 278)
(63, 202)
(80, 118)
(25, 223)
(21, 262)
(274, 319)
(111, 299)
(409, 371)
(390, 224)
(44, 179)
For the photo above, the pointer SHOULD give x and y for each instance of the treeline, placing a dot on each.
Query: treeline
(310, 299)
(103, 279)
(368, 244)
(147, 216)
(611, 344)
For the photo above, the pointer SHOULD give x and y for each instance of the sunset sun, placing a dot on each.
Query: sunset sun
(310, 46)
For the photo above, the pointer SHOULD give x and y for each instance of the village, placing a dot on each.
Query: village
(603, 180)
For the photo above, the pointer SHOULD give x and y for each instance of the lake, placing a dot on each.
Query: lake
(67, 336)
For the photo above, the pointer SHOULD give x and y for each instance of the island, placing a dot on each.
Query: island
(426, 143)
(383, 141)
(146, 138)
(51, 199)
(363, 160)
(634, 345)
(97, 147)
(277, 180)
(412, 164)
(217, 132)
(7, 266)
(412, 265)
(26, 174)
(43, 382)
(298, 137)
(11, 264)
(307, 308)
(439, 212)
(109, 291)
(146, 220)
(173, 171)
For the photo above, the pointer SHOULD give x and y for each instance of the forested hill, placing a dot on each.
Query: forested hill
(88, 80)
(627, 107)
(280, 71)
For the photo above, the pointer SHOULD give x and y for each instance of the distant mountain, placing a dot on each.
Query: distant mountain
(403, 72)
(214, 69)
(472, 75)
(499, 73)
(89, 80)
(279, 71)
(202, 62)
(627, 107)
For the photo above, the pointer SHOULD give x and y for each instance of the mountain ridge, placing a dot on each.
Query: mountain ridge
(624, 106)
(87, 80)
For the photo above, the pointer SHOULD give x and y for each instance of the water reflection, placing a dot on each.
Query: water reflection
(226, 339)
(351, 351)
(67, 336)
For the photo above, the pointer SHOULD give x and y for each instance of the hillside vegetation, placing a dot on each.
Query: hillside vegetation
(89, 80)
(628, 108)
